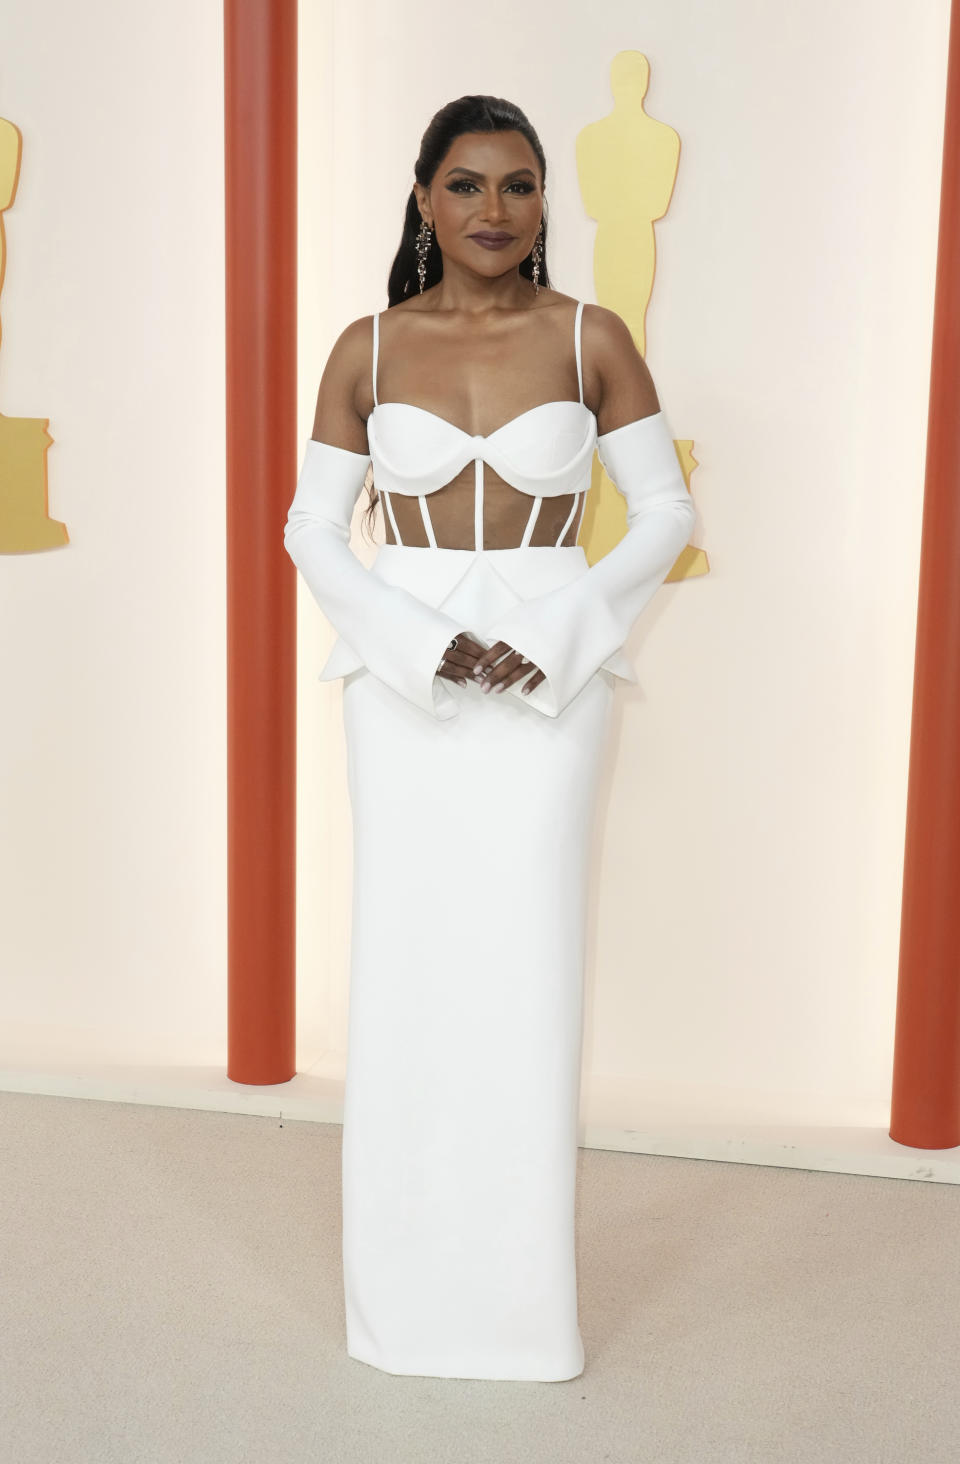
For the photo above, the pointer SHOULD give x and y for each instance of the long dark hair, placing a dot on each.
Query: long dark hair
(466, 114)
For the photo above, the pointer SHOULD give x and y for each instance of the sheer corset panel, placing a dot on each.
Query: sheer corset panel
(523, 485)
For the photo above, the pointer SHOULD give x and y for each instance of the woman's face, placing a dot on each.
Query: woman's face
(488, 182)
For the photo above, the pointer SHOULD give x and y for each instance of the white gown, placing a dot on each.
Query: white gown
(472, 820)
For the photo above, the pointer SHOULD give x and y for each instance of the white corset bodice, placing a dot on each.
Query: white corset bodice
(546, 452)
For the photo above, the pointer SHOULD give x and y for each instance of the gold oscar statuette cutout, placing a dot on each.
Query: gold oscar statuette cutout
(626, 167)
(25, 524)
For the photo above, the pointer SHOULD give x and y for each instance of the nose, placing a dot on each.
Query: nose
(494, 212)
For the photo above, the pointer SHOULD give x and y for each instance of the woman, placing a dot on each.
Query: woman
(479, 657)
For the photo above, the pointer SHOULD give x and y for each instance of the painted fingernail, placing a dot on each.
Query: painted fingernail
(499, 686)
(525, 689)
(478, 667)
(486, 686)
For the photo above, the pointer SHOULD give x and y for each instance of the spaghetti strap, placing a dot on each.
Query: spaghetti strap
(376, 349)
(576, 339)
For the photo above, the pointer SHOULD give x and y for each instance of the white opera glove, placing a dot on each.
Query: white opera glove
(398, 638)
(570, 631)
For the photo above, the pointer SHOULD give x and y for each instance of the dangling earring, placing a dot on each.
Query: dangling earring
(423, 241)
(537, 256)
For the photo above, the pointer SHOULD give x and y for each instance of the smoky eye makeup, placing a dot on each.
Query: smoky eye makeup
(455, 186)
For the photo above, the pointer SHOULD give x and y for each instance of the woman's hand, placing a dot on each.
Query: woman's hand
(513, 667)
(458, 664)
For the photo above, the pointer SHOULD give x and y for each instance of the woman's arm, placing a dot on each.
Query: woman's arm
(397, 637)
(570, 632)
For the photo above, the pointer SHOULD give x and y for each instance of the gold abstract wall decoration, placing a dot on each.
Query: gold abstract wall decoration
(25, 524)
(627, 167)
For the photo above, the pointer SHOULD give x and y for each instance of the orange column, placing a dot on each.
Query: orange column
(926, 1071)
(260, 157)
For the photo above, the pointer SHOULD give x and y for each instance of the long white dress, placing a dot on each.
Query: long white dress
(472, 819)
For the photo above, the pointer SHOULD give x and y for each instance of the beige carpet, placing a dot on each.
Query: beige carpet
(170, 1293)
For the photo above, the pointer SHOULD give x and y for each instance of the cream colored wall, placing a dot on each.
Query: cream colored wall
(749, 854)
(744, 948)
(112, 739)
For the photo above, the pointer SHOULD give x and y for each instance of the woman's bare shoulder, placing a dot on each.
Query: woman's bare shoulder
(343, 396)
(616, 375)
(353, 341)
(608, 330)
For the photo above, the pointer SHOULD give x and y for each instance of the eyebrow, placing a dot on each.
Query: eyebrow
(473, 174)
